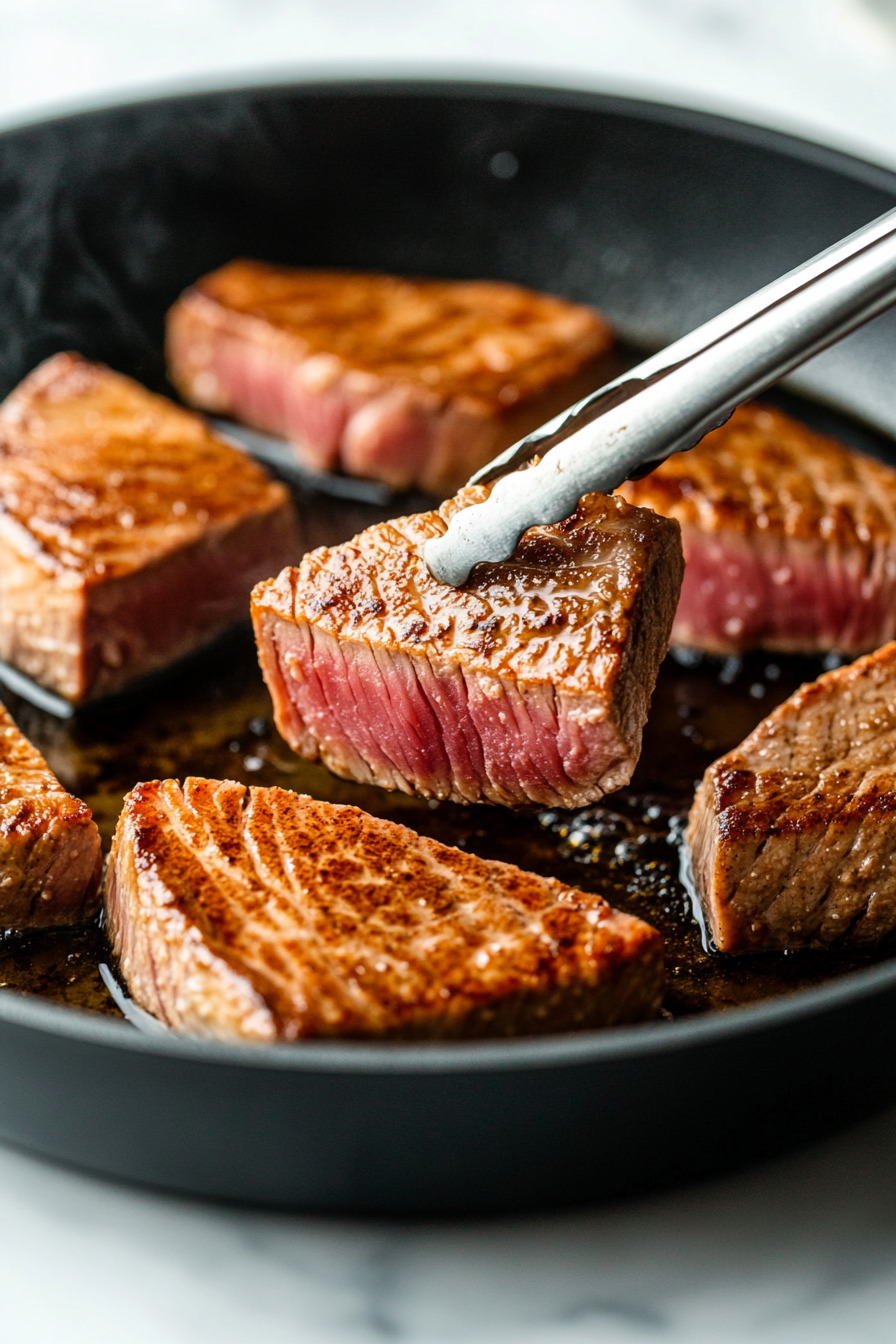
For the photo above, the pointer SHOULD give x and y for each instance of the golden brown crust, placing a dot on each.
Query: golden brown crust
(261, 914)
(99, 477)
(485, 343)
(560, 611)
(763, 471)
(129, 534)
(50, 857)
(793, 834)
(839, 717)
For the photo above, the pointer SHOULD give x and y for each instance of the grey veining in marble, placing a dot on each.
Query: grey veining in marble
(800, 1250)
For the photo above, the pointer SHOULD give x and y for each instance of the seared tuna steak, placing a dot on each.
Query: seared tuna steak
(401, 380)
(50, 859)
(129, 534)
(792, 835)
(789, 538)
(529, 685)
(262, 915)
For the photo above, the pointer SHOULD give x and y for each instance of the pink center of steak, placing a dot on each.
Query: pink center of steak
(528, 686)
(129, 533)
(789, 538)
(274, 391)
(787, 595)
(402, 380)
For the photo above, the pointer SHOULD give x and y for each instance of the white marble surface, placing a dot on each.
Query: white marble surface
(801, 1250)
(823, 67)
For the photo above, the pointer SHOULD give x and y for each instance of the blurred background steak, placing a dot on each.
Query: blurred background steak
(529, 685)
(793, 834)
(265, 915)
(129, 533)
(789, 538)
(50, 857)
(406, 381)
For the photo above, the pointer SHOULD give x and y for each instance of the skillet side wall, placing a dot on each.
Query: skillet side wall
(421, 1142)
(662, 218)
(106, 216)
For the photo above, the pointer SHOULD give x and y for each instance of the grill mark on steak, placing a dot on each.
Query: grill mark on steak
(50, 856)
(789, 538)
(265, 915)
(407, 381)
(129, 533)
(383, 673)
(793, 834)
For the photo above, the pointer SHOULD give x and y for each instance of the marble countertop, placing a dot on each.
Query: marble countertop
(823, 68)
(803, 1249)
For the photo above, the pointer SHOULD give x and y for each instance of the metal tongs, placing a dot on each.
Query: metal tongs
(669, 402)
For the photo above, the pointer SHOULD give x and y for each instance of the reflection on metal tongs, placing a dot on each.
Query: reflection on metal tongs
(669, 402)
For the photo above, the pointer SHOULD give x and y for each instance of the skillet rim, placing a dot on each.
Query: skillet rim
(437, 1057)
(646, 109)
(549, 1051)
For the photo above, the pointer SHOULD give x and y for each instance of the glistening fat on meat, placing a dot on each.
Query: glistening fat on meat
(262, 915)
(406, 381)
(129, 534)
(529, 685)
(792, 835)
(789, 538)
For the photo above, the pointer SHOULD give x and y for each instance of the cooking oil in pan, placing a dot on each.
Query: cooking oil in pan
(212, 717)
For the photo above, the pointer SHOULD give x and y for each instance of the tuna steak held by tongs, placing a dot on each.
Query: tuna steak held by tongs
(530, 686)
(668, 403)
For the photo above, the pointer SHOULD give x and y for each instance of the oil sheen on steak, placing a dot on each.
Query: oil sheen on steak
(50, 858)
(793, 834)
(789, 538)
(129, 533)
(529, 685)
(262, 915)
(401, 380)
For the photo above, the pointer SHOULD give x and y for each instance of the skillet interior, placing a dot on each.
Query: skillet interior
(659, 217)
(212, 717)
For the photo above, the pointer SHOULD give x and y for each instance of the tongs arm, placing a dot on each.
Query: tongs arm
(666, 404)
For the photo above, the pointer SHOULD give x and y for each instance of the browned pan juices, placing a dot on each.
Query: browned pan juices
(212, 717)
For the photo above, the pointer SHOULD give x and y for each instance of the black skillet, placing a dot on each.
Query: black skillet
(661, 217)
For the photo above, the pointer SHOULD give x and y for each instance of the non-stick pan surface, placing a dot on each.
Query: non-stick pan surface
(660, 217)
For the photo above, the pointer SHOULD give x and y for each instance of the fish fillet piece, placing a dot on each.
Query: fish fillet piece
(789, 538)
(262, 915)
(792, 835)
(406, 381)
(528, 686)
(50, 858)
(129, 533)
